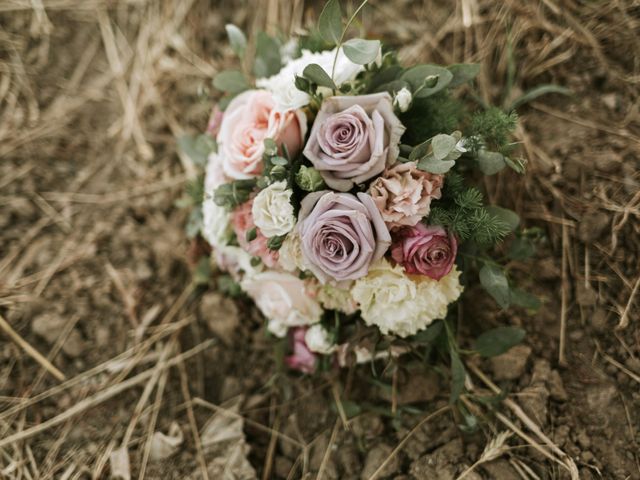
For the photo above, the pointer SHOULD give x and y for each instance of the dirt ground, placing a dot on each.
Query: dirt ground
(148, 376)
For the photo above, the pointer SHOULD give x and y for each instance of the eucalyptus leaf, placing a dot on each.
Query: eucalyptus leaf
(361, 51)
(330, 22)
(267, 61)
(195, 221)
(197, 148)
(442, 145)
(498, 340)
(463, 73)
(231, 81)
(495, 282)
(317, 75)
(509, 217)
(521, 249)
(433, 165)
(418, 75)
(524, 299)
(490, 163)
(393, 86)
(385, 76)
(458, 375)
(237, 39)
(426, 337)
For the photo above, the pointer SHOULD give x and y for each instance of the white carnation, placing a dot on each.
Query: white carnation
(282, 84)
(290, 256)
(398, 304)
(318, 340)
(216, 226)
(333, 297)
(272, 210)
(402, 99)
(283, 299)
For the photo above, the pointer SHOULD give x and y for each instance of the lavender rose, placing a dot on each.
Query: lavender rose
(353, 139)
(424, 250)
(341, 234)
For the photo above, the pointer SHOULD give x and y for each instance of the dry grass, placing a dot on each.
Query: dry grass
(92, 96)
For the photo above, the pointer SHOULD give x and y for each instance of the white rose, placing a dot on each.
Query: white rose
(402, 99)
(283, 299)
(318, 340)
(216, 227)
(272, 210)
(282, 84)
(397, 304)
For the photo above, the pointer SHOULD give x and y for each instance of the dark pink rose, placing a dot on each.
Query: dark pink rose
(341, 234)
(302, 359)
(424, 250)
(353, 139)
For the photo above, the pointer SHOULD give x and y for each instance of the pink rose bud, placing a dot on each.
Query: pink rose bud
(302, 359)
(425, 250)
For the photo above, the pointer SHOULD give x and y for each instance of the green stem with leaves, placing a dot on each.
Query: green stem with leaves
(344, 31)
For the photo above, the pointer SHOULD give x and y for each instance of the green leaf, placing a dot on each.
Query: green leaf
(515, 164)
(433, 165)
(463, 73)
(237, 39)
(361, 51)
(458, 375)
(231, 81)
(490, 163)
(317, 75)
(194, 224)
(509, 217)
(495, 283)
(497, 341)
(538, 92)
(267, 61)
(420, 77)
(442, 145)
(197, 148)
(426, 337)
(270, 147)
(521, 249)
(251, 235)
(202, 272)
(524, 299)
(330, 22)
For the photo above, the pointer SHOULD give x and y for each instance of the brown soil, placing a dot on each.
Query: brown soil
(94, 260)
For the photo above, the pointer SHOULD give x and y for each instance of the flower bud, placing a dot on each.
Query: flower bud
(309, 179)
(402, 100)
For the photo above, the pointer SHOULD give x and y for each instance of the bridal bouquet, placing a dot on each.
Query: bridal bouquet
(338, 195)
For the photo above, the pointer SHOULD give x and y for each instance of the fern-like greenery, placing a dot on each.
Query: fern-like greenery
(461, 210)
(430, 116)
(494, 128)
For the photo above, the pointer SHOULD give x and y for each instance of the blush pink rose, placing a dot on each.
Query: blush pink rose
(425, 250)
(353, 139)
(403, 194)
(301, 359)
(249, 119)
(242, 222)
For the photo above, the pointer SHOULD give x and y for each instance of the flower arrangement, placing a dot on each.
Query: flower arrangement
(338, 195)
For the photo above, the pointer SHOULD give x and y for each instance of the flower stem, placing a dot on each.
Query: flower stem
(344, 31)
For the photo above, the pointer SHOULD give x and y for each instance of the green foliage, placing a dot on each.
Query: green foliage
(197, 148)
(494, 127)
(462, 212)
(498, 340)
(237, 39)
(228, 286)
(230, 195)
(330, 22)
(431, 116)
(458, 374)
(463, 73)
(316, 74)
(494, 281)
(231, 81)
(427, 80)
(361, 51)
(202, 272)
(267, 61)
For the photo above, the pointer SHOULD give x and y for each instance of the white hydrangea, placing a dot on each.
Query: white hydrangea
(283, 299)
(272, 210)
(318, 340)
(333, 297)
(216, 225)
(400, 304)
(282, 84)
